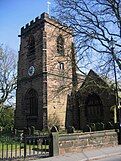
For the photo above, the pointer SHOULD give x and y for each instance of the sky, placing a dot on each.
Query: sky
(15, 14)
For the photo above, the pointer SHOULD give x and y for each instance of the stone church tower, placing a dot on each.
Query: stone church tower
(44, 73)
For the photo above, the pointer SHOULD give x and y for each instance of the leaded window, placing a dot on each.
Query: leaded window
(31, 103)
(94, 108)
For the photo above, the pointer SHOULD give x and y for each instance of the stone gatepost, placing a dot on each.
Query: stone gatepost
(54, 142)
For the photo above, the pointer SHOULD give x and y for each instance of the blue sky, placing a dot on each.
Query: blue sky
(17, 13)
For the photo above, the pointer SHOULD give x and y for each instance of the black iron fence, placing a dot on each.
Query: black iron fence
(23, 147)
(99, 126)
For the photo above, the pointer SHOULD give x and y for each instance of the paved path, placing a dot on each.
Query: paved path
(113, 158)
(86, 155)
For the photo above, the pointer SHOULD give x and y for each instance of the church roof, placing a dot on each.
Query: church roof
(94, 76)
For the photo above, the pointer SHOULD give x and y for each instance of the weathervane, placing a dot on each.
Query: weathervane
(48, 6)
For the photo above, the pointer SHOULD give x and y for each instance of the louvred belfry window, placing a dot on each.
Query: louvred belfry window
(60, 45)
(31, 45)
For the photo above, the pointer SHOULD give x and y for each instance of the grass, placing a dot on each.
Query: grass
(18, 145)
(8, 143)
(18, 151)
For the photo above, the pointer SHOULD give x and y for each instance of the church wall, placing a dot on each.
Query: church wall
(107, 100)
(26, 82)
(59, 82)
(21, 111)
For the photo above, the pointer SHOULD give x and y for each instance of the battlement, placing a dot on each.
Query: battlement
(41, 18)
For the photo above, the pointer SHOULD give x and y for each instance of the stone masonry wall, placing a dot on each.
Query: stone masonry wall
(78, 142)
(59, 82)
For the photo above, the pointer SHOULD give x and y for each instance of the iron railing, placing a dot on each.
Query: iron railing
(30, 146)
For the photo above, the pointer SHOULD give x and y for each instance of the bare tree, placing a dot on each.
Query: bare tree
(7, 75)
(94, 23)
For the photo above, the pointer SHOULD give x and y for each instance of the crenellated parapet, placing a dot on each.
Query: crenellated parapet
(44, 17)
(32, 23)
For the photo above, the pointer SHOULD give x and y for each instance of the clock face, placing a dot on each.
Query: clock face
(31, 70)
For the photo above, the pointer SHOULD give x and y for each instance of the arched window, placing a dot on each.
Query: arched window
(60, 45)
(31, 102)
(94, 108)
(31, 45)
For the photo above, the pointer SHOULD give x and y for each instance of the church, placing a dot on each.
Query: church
(49, 90)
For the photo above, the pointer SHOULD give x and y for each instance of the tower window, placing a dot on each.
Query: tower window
(60, 45)
(31, 102)
(31, 45)
(61, 73)
(61, 66)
